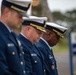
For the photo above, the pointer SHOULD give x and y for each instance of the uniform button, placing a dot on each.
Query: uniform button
(52, 67)
(44, 70)
(20, 54)
(13, 53)
(24, 71)
(21, 63)
(35, 61)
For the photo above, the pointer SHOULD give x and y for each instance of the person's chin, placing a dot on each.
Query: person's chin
(36, 41)
(18, 26)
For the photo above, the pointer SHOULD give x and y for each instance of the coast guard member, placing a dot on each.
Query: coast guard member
(11, 54)
(31, 32)
(50, 38)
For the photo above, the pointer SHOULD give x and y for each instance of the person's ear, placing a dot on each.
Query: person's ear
(6, 11)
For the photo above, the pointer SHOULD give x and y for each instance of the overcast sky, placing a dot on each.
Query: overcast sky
(60, 5)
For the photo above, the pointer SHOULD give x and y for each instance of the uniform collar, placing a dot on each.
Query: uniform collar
(30, 44)
(6, 27)
(23, 35)
(45, 42)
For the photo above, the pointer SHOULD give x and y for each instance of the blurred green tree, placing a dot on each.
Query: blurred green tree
(67, 19)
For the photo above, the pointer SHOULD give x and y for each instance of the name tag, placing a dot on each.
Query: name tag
(50, 57)
(33, 54)
(10, 45)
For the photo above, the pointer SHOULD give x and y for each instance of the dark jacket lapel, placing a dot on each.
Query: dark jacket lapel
(6, 32)
(13, 39)
(45, 45)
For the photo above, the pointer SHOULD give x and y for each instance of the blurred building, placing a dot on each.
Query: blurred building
(40, 8)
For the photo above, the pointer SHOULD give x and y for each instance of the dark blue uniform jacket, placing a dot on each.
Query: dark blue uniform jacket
(11, 57)
(49, 57)
(34, 61)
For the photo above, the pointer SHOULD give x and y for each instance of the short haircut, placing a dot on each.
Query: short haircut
(2, 9)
